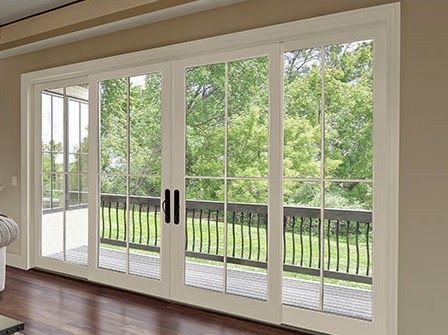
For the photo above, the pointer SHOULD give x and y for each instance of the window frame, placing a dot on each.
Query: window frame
(384, 20)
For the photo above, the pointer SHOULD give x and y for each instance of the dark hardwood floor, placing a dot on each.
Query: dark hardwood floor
(51, 304)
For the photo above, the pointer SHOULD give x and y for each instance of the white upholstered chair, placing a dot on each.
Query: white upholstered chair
(8, 233)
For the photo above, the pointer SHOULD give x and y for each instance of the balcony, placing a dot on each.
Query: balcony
(347, 266)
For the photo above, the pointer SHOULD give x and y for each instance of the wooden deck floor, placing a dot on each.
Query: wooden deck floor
(340, 300)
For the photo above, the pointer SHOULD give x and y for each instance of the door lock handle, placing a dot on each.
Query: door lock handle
(166, 206)
(176, 207)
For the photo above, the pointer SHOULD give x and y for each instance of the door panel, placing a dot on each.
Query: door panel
(63, 151)
(221, 143)
(132, 170)
(131, 151)
(328, 185)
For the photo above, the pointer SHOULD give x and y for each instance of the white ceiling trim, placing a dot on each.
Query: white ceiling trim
(136, 21)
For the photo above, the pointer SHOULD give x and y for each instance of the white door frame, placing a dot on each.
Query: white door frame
(159, 287)
(72, 269)
(269, 310)
(383, 172)
(385, 18)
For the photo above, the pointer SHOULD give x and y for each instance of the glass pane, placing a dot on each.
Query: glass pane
(74, 131)
(58, 162)
(248, 111)
(57, 190)
(247, 228)
(77, 233)
(146, 124)
(84, 189)
(204, 231)
(83, 163)
(113, 223)
(47, 162)
(52, 243)
(301, 244)
(348, 249)
(84, 145)
(302, 99)
(349, 110)
(145, 227)
(59, 91)
(46, 122)
(74, 196)
(113, 128)
(205, 112)
(73, 163)
(58, 124)
(80, 92)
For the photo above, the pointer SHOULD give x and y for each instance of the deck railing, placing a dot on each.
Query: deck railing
(347, 235)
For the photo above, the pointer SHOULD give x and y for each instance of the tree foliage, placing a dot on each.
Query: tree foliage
(227, 129)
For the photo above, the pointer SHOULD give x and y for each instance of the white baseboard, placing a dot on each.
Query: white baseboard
(16, 261)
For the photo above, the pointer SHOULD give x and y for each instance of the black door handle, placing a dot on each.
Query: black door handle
(166, 206)
(176, 207)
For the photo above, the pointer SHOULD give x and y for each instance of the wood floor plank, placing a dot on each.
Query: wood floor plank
(51, 304)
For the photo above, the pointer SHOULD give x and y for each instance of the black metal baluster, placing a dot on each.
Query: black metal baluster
(311, 243)
(319, 242)
(329, 244)
(258, 236)
(266, 236)
(301, 241)
(293, 261)
(156, 233)
(140, 223)
(125, 220)
(186, 229)
(133, 223)
(194, 231)
(102, 219)
(110, 220)
(250, 236)
(357, 247)
(117, 223)
(217, 232)
(200, 230)
(209, 233)
(337, 245)
(285, 222)
(348, 247)
(242, 234)
(148, 237)
(368, 248)
(233, 234)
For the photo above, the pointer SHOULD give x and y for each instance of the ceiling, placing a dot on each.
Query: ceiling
(12, 10)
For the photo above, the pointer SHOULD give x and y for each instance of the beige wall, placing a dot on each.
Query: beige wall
(423, 261)
(423, 269)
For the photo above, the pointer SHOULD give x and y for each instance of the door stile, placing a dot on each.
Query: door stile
(93, 253)
(157, 287)
(270, 309)
(275, 198)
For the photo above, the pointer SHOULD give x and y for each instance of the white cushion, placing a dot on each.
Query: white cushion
(8, 230)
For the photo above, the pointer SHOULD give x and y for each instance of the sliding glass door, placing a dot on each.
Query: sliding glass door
(221, 147)
(248, 181)
(131, 165)
(62, 171)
